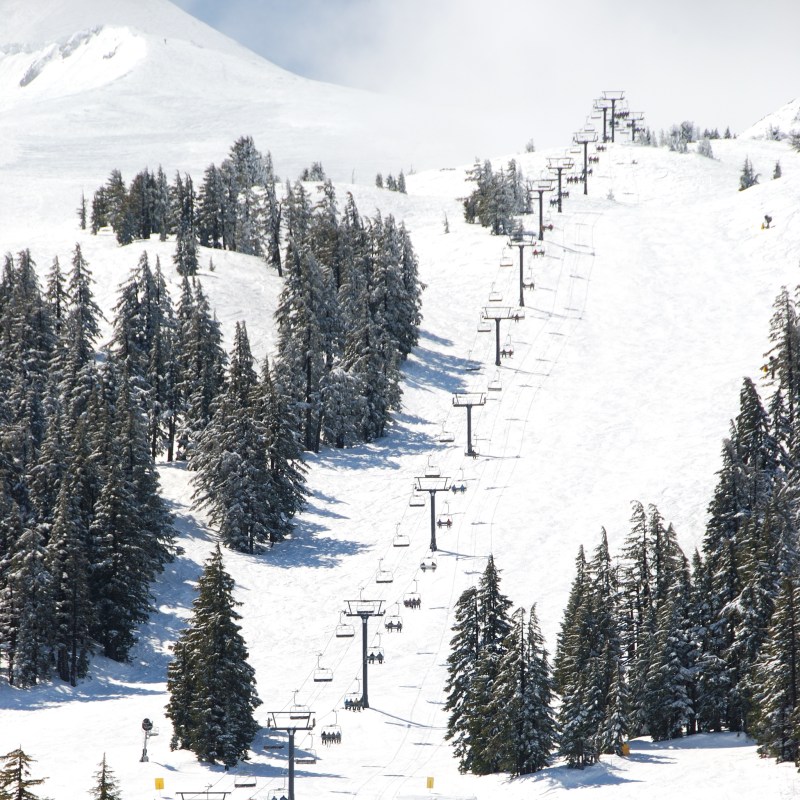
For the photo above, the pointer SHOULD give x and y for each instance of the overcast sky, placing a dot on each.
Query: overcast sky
(506, 71)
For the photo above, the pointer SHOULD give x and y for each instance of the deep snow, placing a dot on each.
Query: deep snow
(648, 310)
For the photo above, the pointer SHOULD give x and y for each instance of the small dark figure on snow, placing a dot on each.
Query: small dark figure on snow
(767, 221)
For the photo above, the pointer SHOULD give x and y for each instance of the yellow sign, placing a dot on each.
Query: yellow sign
(429, 783)
(159, 784)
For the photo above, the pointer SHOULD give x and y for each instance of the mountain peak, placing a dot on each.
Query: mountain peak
(31, 26)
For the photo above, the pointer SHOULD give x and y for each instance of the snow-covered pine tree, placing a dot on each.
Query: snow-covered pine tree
(68, 562)
(777, 679)
(15, 776)
(495, 627)
(106, 786)
(233, 479)
(74, 359)
(202, 363)
(666, 703)
(121, 568)
(26, 618)
(284, 457)
(782, 369)
(306, 323)
(211, 685)
(520, 702)
(748, 177)
(461, 665)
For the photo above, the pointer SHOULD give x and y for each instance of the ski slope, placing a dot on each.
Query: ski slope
(648, 310)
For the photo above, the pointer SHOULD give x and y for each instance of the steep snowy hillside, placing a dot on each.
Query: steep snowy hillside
(146, 82)
(651, 303)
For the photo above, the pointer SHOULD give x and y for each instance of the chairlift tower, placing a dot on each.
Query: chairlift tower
(586, 137)
(541, 186)
(522, 240)
(498, 313)
(291, 722)
(602, 105)
(468, 401)
(633, 118)
(613, 97)
(365, 609)
(559, 165)
(432, 484)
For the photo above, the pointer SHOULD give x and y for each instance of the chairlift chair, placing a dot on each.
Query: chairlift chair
(446, 436)
(484, 325)
(412, 599)
(394, 622)
(432, 470)
(459, 484)
(505, 259)
(309, 754)
(344, 630)
(471, 366)
(495, 385)
(322, 674)
(375, 653)
(331, 734)
(428, 563)
(446, 519)
(495, 296)
(352, 700)
(508, 348)
(383, 575)
(416, 499)
(298, 710)
(528, 281)
(401, 539)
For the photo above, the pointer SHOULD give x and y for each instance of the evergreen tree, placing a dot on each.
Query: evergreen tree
(106, 786)
(748, 176)
(26, 619)
(233, 479)
(15, 777)
(461, 666)
(777, 679)
(211, 685)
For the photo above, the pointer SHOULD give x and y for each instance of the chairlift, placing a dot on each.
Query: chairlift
(416, 499)
(298, 710)
(446, 519)
(446, 436)
(471, 366)
(495, 296)
(309, 754)
(394, 622)
(375, 654)
(278, 792)
(331, 734)
(412, 600)
(400, 539)
(484, 325)
(459, 484)
(244, 780)
(432, 470)
(508, 348)
(528, 281)
(344, 630)
(352, 700)
(383, 575)
(505, 259)
(322, 674)
(428, 563)
(495, 385)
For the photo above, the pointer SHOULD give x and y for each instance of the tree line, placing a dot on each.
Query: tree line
(653, 642)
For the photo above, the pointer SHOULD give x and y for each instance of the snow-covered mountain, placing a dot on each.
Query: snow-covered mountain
(651, 303)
